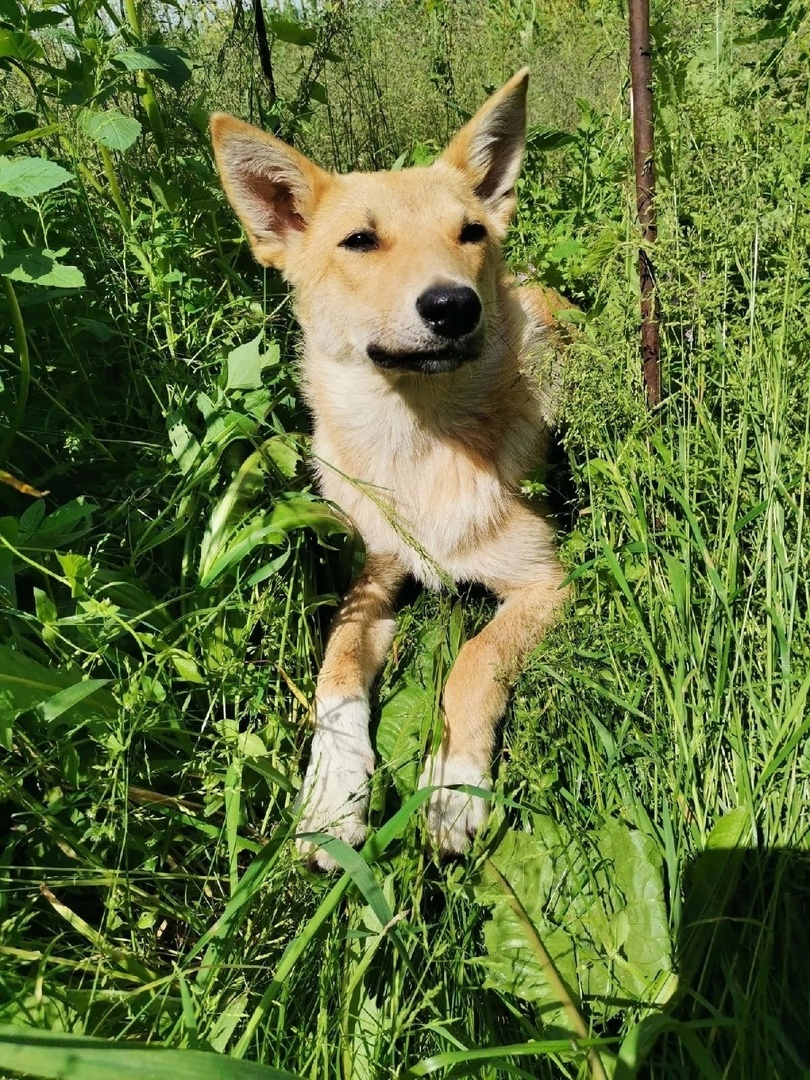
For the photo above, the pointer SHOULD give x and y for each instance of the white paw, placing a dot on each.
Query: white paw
(334, 796)
(453, 816)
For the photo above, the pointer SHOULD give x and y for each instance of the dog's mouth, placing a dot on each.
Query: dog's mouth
(423, 361)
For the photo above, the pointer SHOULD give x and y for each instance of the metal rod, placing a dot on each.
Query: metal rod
(644, 159)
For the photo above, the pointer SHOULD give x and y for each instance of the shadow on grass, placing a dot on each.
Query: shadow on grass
(743, 1008)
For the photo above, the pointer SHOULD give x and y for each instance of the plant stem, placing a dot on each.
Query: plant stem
(150, 103)
(25, 369)
(115, 190)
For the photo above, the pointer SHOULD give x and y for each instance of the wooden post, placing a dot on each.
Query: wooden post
(644, 158)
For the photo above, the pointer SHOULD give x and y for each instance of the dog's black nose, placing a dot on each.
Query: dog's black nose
(451, 311)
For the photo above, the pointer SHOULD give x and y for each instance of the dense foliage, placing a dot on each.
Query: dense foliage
(167, 572)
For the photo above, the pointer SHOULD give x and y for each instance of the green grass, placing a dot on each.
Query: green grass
(650, 812)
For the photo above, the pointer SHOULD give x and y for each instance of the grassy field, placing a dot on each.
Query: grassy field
(640, 903)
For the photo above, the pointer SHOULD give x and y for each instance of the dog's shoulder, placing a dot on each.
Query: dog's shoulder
(546, 333)
(544, 308)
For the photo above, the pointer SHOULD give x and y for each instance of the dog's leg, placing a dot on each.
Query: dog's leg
(475, 697)
(334, 795)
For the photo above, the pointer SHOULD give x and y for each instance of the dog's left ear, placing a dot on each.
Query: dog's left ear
(489, 148)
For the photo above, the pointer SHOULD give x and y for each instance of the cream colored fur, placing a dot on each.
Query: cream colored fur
(428, 466)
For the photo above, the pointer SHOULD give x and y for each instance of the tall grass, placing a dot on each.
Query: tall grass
(163, 608)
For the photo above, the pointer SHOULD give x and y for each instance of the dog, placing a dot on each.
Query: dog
(422, 369)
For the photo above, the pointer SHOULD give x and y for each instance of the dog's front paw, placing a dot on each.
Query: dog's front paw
(453, 817)
(334, 796)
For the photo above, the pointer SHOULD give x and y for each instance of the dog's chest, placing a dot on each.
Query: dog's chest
(429, 500)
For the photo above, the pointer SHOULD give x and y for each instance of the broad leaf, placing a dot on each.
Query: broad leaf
(237, 547)
(184, 445)
(597, 906)
(247, 362)
(44, 532)
(11, 12)
(24, 177)
(229, 512)
(17, 45)
(317, 92)
(224, 547)
(172, 65)
(293, 32)
(39, 266)
(112, 129)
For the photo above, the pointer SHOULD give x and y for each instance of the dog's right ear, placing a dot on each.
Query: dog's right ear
(272, 187)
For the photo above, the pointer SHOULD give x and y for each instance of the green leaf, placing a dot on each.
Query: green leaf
(284, 453)
(224, 546)
(293, 32)
(39, 266)
(711, 884)
(407, 716)
(596, 904)
(731, 831)
(17, 45)
(26, 684)
(632, 884)
(112, 129)
(58, 529)
(78, 570)
(57, 1056)
(24, 177)
(219, 545)
(184, 445)
(299, 511)
(565, 249)
(172, 65)
(186, 667)
(498, 1056)
(10, 141)
(269, 569)
(531, 864)
(403, 719)
(39, 19)
(11, 12)
(61, 702)
(215, 560)
(543, 138)
(247, 362)
(317, 92)
(360, 872)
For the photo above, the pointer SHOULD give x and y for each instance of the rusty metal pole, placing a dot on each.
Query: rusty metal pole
(644, 158)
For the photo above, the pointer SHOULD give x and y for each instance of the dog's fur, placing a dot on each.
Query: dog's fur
(422, 440)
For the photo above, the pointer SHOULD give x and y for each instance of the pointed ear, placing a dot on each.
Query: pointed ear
(489, 148)
(272, 187)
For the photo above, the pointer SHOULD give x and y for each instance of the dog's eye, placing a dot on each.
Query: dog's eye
(473, 233)
(361, 241)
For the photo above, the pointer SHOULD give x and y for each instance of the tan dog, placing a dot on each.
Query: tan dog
(420, 368)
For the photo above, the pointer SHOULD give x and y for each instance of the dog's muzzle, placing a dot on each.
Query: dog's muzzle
(424, 362)
(453, 314)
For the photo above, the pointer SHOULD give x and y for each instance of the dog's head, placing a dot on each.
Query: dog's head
(398, 268)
